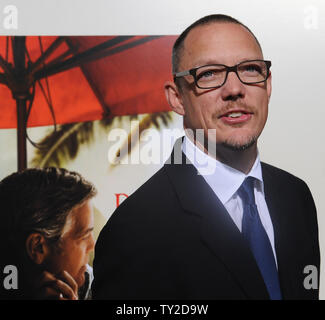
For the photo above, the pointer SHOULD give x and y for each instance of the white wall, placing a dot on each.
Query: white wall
(291, 32)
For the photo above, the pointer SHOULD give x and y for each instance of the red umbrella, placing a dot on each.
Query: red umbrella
(81, 78)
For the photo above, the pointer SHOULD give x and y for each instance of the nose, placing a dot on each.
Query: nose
(233, 89)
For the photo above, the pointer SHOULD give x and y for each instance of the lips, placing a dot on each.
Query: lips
(236, 116)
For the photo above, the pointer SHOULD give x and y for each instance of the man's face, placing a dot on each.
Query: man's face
(229, 44)
(76, 244)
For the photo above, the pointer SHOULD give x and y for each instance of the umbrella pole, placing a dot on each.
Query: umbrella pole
(20, 94)
(21, 134)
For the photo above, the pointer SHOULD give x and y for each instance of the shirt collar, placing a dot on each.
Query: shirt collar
(224, 180)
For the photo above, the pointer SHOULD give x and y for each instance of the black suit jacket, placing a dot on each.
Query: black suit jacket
(173, 239)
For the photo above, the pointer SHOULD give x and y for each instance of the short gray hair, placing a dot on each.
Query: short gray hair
(213, 18)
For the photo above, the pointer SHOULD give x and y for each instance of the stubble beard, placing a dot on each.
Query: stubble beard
(236, 146)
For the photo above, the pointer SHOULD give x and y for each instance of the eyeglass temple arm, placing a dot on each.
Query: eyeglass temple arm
(182, 74)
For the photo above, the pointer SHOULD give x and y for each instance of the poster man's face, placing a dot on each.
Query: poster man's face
(76, 244)
(228, 44)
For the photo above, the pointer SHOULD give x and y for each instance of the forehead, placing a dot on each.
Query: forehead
(79, 220)
(226, 43)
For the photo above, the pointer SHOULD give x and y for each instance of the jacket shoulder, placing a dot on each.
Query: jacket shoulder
(153, 190)
(276, 173)
(153, 201)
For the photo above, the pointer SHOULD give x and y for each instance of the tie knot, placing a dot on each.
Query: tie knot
(246, 191)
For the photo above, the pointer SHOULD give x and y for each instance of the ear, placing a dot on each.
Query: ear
(174, 98)
(37, 247)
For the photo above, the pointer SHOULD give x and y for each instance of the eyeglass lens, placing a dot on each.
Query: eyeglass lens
(214, 75)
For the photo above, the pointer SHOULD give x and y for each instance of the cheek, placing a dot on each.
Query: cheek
(200, 115)
(80, 253)
(74, 257)
(74, 263)
(259, 100)
(264, 110)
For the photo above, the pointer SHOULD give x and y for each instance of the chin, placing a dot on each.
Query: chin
(80, 279)
(240, 145)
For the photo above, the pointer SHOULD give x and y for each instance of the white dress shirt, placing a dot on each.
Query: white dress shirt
(225, 182)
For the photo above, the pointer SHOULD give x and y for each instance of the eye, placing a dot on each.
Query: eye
(206, 74)
(89, 235)
(252, 69)
(86, 236)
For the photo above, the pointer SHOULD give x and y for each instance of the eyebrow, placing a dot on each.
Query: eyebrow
(200, 63)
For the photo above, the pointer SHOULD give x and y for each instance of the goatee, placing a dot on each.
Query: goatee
(239, 146)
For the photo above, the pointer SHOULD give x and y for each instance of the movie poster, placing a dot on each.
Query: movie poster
(91, 87)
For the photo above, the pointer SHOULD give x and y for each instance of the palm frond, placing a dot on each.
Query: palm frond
(150, 120)
(63, 145)
(105, 123)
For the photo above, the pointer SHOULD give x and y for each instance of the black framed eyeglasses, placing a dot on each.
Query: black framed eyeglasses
(215, 75)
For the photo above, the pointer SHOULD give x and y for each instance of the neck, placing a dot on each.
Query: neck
(241, 160)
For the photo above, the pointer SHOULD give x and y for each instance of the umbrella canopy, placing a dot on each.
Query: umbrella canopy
(81, 78)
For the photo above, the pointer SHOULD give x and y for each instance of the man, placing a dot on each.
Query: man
(46, 230)
(214, 222)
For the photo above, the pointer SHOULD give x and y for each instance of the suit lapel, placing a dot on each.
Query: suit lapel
(279, 216)
(218, 231)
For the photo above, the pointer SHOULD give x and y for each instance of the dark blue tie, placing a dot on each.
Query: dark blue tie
(255, 234)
